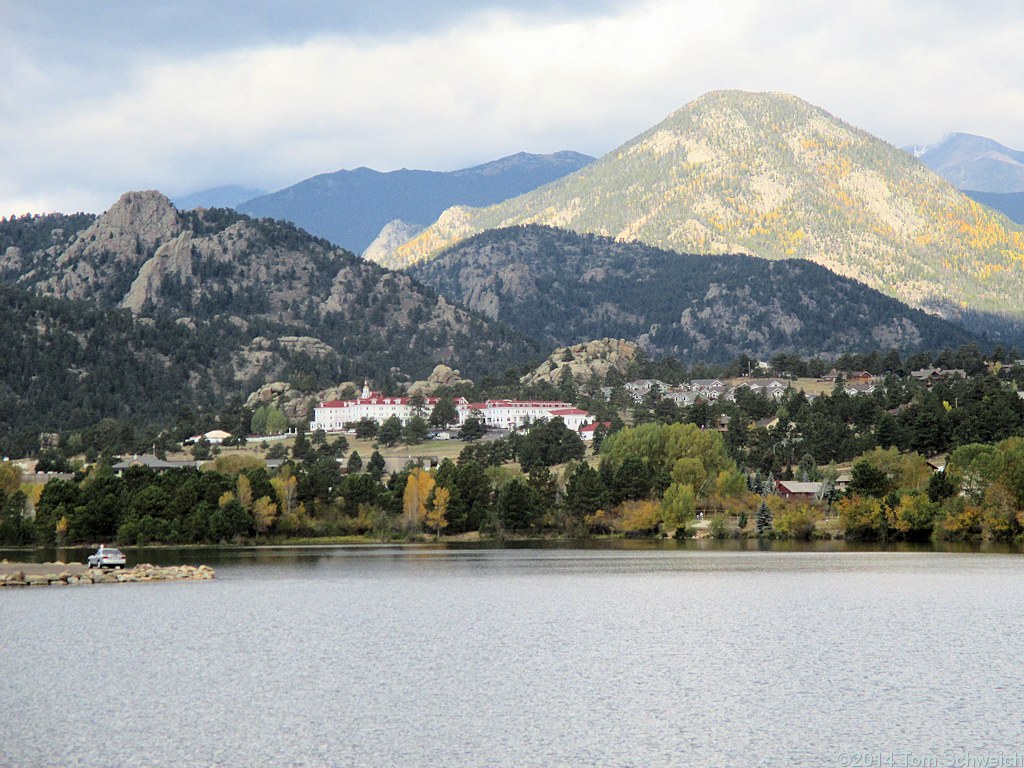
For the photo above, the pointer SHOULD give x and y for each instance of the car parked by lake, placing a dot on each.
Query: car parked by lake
(107, 557)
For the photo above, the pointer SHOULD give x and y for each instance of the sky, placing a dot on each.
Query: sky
(103, 96)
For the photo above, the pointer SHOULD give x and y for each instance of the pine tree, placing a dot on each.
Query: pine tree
(763, 519)
(355, 462)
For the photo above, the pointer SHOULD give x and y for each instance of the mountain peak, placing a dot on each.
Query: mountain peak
(770, 175)
(103, 256)
(148, 213)
(975, 162)
(349, 208)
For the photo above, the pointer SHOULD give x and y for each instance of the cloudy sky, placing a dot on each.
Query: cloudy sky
(102, 97)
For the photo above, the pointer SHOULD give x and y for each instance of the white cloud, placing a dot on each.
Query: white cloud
(496, 83)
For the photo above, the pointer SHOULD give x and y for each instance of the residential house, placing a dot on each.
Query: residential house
(150, 461)
(798, 491)
(681, 397)
(771, 388)
(640, 388)
(859, 388)
(708, 389)
(929, 375)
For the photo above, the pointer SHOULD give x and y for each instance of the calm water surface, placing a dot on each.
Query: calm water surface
(524, 657)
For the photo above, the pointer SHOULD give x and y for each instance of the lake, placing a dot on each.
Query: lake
(634, 654)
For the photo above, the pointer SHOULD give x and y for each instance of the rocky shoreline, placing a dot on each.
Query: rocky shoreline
(61, 574)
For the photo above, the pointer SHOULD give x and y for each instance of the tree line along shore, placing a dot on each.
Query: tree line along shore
(655, 468)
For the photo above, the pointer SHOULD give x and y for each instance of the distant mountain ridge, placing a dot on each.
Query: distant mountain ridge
(770, 175)
(227, 196)
(971, 162)
(562, 288)
(350, 207)
(1010, 204)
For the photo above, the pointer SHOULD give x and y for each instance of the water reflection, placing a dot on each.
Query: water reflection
(299, 555)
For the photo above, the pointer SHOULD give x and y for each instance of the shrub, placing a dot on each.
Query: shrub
(797, 522)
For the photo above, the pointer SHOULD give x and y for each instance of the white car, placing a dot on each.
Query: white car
(107, 557)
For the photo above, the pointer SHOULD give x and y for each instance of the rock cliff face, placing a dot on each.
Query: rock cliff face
(591, 358)
(294, 403)
(98, 262)
(391, 236)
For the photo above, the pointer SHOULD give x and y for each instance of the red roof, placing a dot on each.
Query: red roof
(375, 399)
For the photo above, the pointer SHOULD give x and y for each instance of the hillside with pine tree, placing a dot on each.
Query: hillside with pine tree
(561, 288)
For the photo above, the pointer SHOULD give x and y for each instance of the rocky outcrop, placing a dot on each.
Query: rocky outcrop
(267, 358)
(118, 242)
(392, 235)
(219, 274)
(295, 404)
(173, 259)
(441, 376)
(584, 360)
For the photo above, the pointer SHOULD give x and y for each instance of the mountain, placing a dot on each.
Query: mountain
(562, 288)
(1010, 204)
(349, 208)
(245, 302)
(770, 175)
(974, 162)
(70, 364)
(394, 234)
(218, 197)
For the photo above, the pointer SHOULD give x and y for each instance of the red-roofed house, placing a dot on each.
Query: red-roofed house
(800, 491)
(587, 430)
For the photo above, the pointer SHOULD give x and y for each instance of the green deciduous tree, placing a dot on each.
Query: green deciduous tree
(415, 431)
(390, 431)
(444, 413)
(472, 429)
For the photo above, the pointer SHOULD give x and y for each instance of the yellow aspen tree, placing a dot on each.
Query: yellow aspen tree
(61, 529)
(437, 517)
(414, 499)
(244, 489)
(284, 486)
(264, 512)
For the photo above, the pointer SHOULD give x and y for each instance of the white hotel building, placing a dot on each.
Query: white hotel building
(338, 415)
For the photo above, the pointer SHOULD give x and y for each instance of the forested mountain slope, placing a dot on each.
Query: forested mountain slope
(68, 364)
(561, 288)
